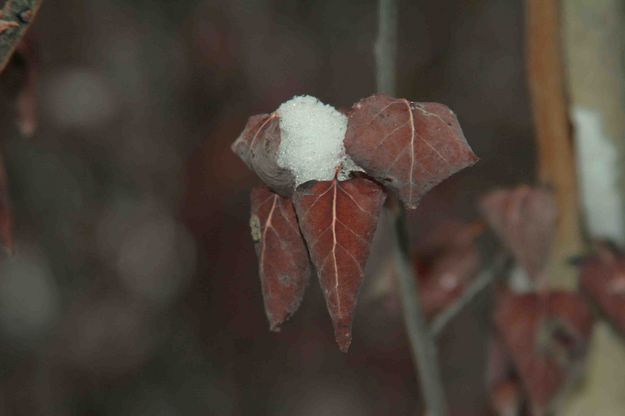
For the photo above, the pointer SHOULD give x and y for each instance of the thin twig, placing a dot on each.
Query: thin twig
(15, 18)
(424, 352)
(385, 48)
(481, 282)
(422, 343)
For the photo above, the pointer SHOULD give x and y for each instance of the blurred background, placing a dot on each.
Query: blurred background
(133, 289)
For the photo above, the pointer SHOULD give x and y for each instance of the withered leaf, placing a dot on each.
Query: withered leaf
(283, 262)
(258, 146)
(506, 396)
(410, 147)
(338, 220)
(445, 272)
(603, 280)
(547, 336)
(524, 218)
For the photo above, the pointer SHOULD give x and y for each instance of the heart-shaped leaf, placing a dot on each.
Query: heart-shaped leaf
(283, 262)
(258, 146)
(603, 280)
(410, 147)
(524, 218)
(546, 335)
(338, 219)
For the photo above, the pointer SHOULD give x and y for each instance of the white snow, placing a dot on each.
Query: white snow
(312, 136)
(598, 167)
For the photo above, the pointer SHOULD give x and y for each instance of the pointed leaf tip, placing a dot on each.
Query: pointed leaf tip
(409, 147)
(283, 263)
(338, 220)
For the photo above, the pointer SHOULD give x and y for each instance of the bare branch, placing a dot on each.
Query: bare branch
(482, 281)
(422, 343)
(15, 19)
(424, 352)
(385, 48)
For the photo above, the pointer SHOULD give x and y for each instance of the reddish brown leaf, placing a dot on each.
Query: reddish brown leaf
(408, 146)
(603, 279)
(283, 262)
(546, 335)
(446, 271)
(524, 218)
(338, 220)
(507, 398)
(258, 145)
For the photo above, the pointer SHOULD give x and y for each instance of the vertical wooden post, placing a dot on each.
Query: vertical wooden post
(556, 159)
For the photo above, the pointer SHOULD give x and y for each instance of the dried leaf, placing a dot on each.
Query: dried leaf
(507, 398)
(410, 147)
(446, 272)
(258, 145)
(547, 336)
(338, 220)
(283, 262)
(506, 395)
(603, 280)
(524, 218)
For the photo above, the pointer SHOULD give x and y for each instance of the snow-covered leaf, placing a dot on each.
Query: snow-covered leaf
(258, 146)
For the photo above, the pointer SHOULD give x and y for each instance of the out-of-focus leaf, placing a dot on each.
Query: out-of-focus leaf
(524, 218)
(506, 395)
(283, 262)
(507, 398)
(446, 273)
(258, 145)
(603, 280)
(338, 219)
(409, 147)
(546, 335)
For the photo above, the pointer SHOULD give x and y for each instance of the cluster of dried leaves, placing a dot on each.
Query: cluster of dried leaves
(405, 148)
(543, 334)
